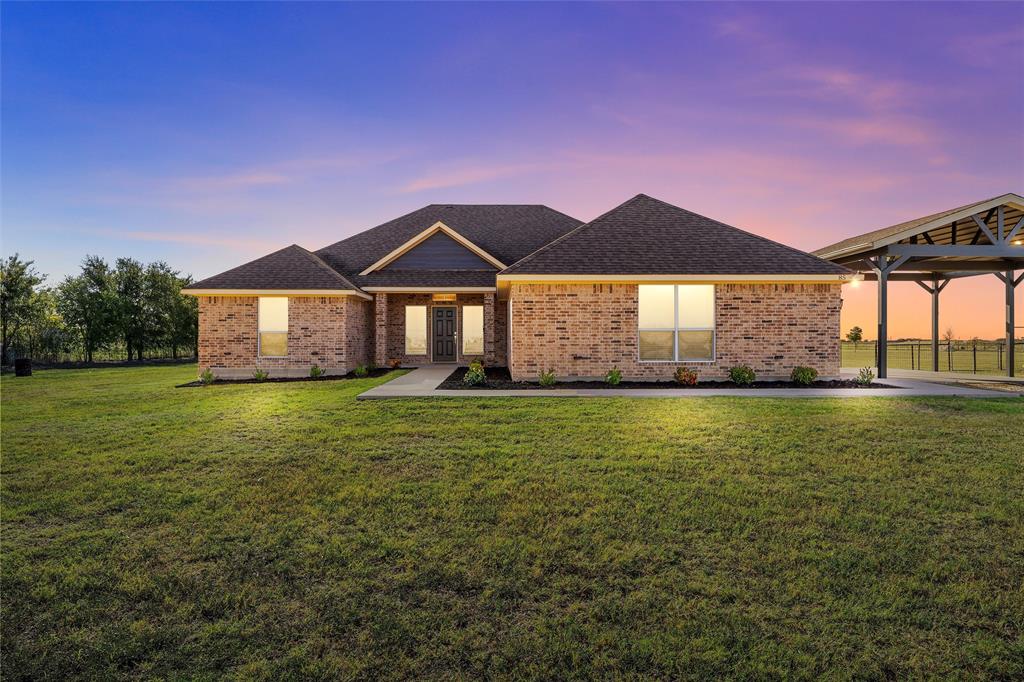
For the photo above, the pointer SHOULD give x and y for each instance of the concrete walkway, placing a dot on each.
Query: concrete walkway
(926, 375)
(423, 382)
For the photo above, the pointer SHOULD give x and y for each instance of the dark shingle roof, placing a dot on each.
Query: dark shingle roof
(428, 278)
(506, 231)
(293, 267)
(645, 236)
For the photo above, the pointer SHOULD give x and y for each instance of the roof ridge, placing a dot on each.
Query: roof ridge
(320, 262)
(570, 233)
(740, 229)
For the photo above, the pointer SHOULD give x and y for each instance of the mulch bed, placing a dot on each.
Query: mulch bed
(379, 372)
(500, 379)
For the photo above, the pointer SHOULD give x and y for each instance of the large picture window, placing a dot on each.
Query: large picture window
(472, 330)
(273, 326)
(677, 322)
(415, 330)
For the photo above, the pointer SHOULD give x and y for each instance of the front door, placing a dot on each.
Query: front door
(444, 334)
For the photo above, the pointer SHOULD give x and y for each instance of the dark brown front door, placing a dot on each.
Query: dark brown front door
(444, 334)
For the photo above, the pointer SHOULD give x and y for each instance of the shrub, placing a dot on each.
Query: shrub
(316, 371)
(395, 363)
(685, 376)
(371, 366)
(865, 377)
(548, 378)
(361, 371)
(741, 375)
(805, 376)
(260, 375)
(613, 377)
(475, 375)
(207, 376)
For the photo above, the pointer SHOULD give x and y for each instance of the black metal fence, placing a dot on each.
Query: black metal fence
(977, 357)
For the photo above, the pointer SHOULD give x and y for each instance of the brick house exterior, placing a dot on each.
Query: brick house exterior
(553, 293)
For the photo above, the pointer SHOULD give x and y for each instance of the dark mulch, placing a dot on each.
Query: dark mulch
(499, 378)
(379, 372)
(105, 364)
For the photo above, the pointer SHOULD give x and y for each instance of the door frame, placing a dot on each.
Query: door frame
(458, 322)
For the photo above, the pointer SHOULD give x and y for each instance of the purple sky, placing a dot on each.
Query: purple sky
(208, 134)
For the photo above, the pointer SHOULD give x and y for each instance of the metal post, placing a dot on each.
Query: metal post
(1009, 324)
(883, 321)
(935, 323)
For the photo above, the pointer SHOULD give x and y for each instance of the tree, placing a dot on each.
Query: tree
(129, 284)
(184, 319)
(855, 334)
(948, 336)
(88, 305)
(18, 280)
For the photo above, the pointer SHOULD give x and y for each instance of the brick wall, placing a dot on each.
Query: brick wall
(583, 330)
(333, 332)
(396, 304)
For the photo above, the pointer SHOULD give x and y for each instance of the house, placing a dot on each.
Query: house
(647, 287)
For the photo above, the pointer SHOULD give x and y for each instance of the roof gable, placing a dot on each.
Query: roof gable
(437, 248)
(645, 236)
(505, 232)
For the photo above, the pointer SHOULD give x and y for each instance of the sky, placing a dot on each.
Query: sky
(206, 135)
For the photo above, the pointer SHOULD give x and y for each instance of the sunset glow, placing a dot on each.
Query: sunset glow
(208, 135)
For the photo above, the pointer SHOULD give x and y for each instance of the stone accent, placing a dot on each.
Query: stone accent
(329, 331)
(584, 330)
(380, 335)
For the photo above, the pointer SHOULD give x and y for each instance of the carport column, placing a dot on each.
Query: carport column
(380, 337)
(1010, 359)
(883, 321)
(489, 354)
(935, 323)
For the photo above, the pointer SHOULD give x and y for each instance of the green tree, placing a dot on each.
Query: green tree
(129, 285)
(18, 280)
(88, 305)
(856, 334)
(184, 319)
(44, 333)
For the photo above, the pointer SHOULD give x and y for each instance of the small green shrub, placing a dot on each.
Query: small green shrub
(316, 371)
(260, 375)
(685, 376)
(613, 377)
(865, 377)
(394, 364)
(741, 375)
(475, 375)
(207, 376)
(805, 376)
(361, 371)
(547, 378)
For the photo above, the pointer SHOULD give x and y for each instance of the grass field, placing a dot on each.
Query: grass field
(285, 531)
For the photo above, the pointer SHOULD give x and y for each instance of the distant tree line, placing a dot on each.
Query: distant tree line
(120, 311)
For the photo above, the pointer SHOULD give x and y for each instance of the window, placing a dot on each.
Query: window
(415, 330)
(273, 326)
(677, 322)
(472, 330)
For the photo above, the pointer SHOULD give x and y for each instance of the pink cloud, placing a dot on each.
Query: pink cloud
(470, 175)
(190, 239)
(885, 129)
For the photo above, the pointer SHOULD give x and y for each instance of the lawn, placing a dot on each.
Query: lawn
(285, 530)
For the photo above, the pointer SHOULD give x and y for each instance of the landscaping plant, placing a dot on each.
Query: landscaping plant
(685, 376)
(260, 375)
(207, 376)
(805, 376)
(613, 377)
(395, 363)
(741, 375)
(547, 378)
(316, 371)
(865, 376)
(361, 371)
(475, 375)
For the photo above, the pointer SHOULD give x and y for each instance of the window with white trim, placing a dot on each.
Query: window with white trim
(273, 326)
(472, 330)
(677, 322)
(415, 330)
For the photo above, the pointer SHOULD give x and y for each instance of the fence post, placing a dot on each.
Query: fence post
(974, 353)
(949, 356)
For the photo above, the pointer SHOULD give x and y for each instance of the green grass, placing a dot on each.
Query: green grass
(285, 530)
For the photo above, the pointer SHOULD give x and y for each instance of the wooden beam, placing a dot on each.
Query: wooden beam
(928, 238)
(999, 223)
(1018, 280)
(924, 286)
(1016, 229)
(984, 228)
(952, 233)
(994, 250)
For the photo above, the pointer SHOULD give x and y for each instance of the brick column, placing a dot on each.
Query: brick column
(489, 354)
(380, 335)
